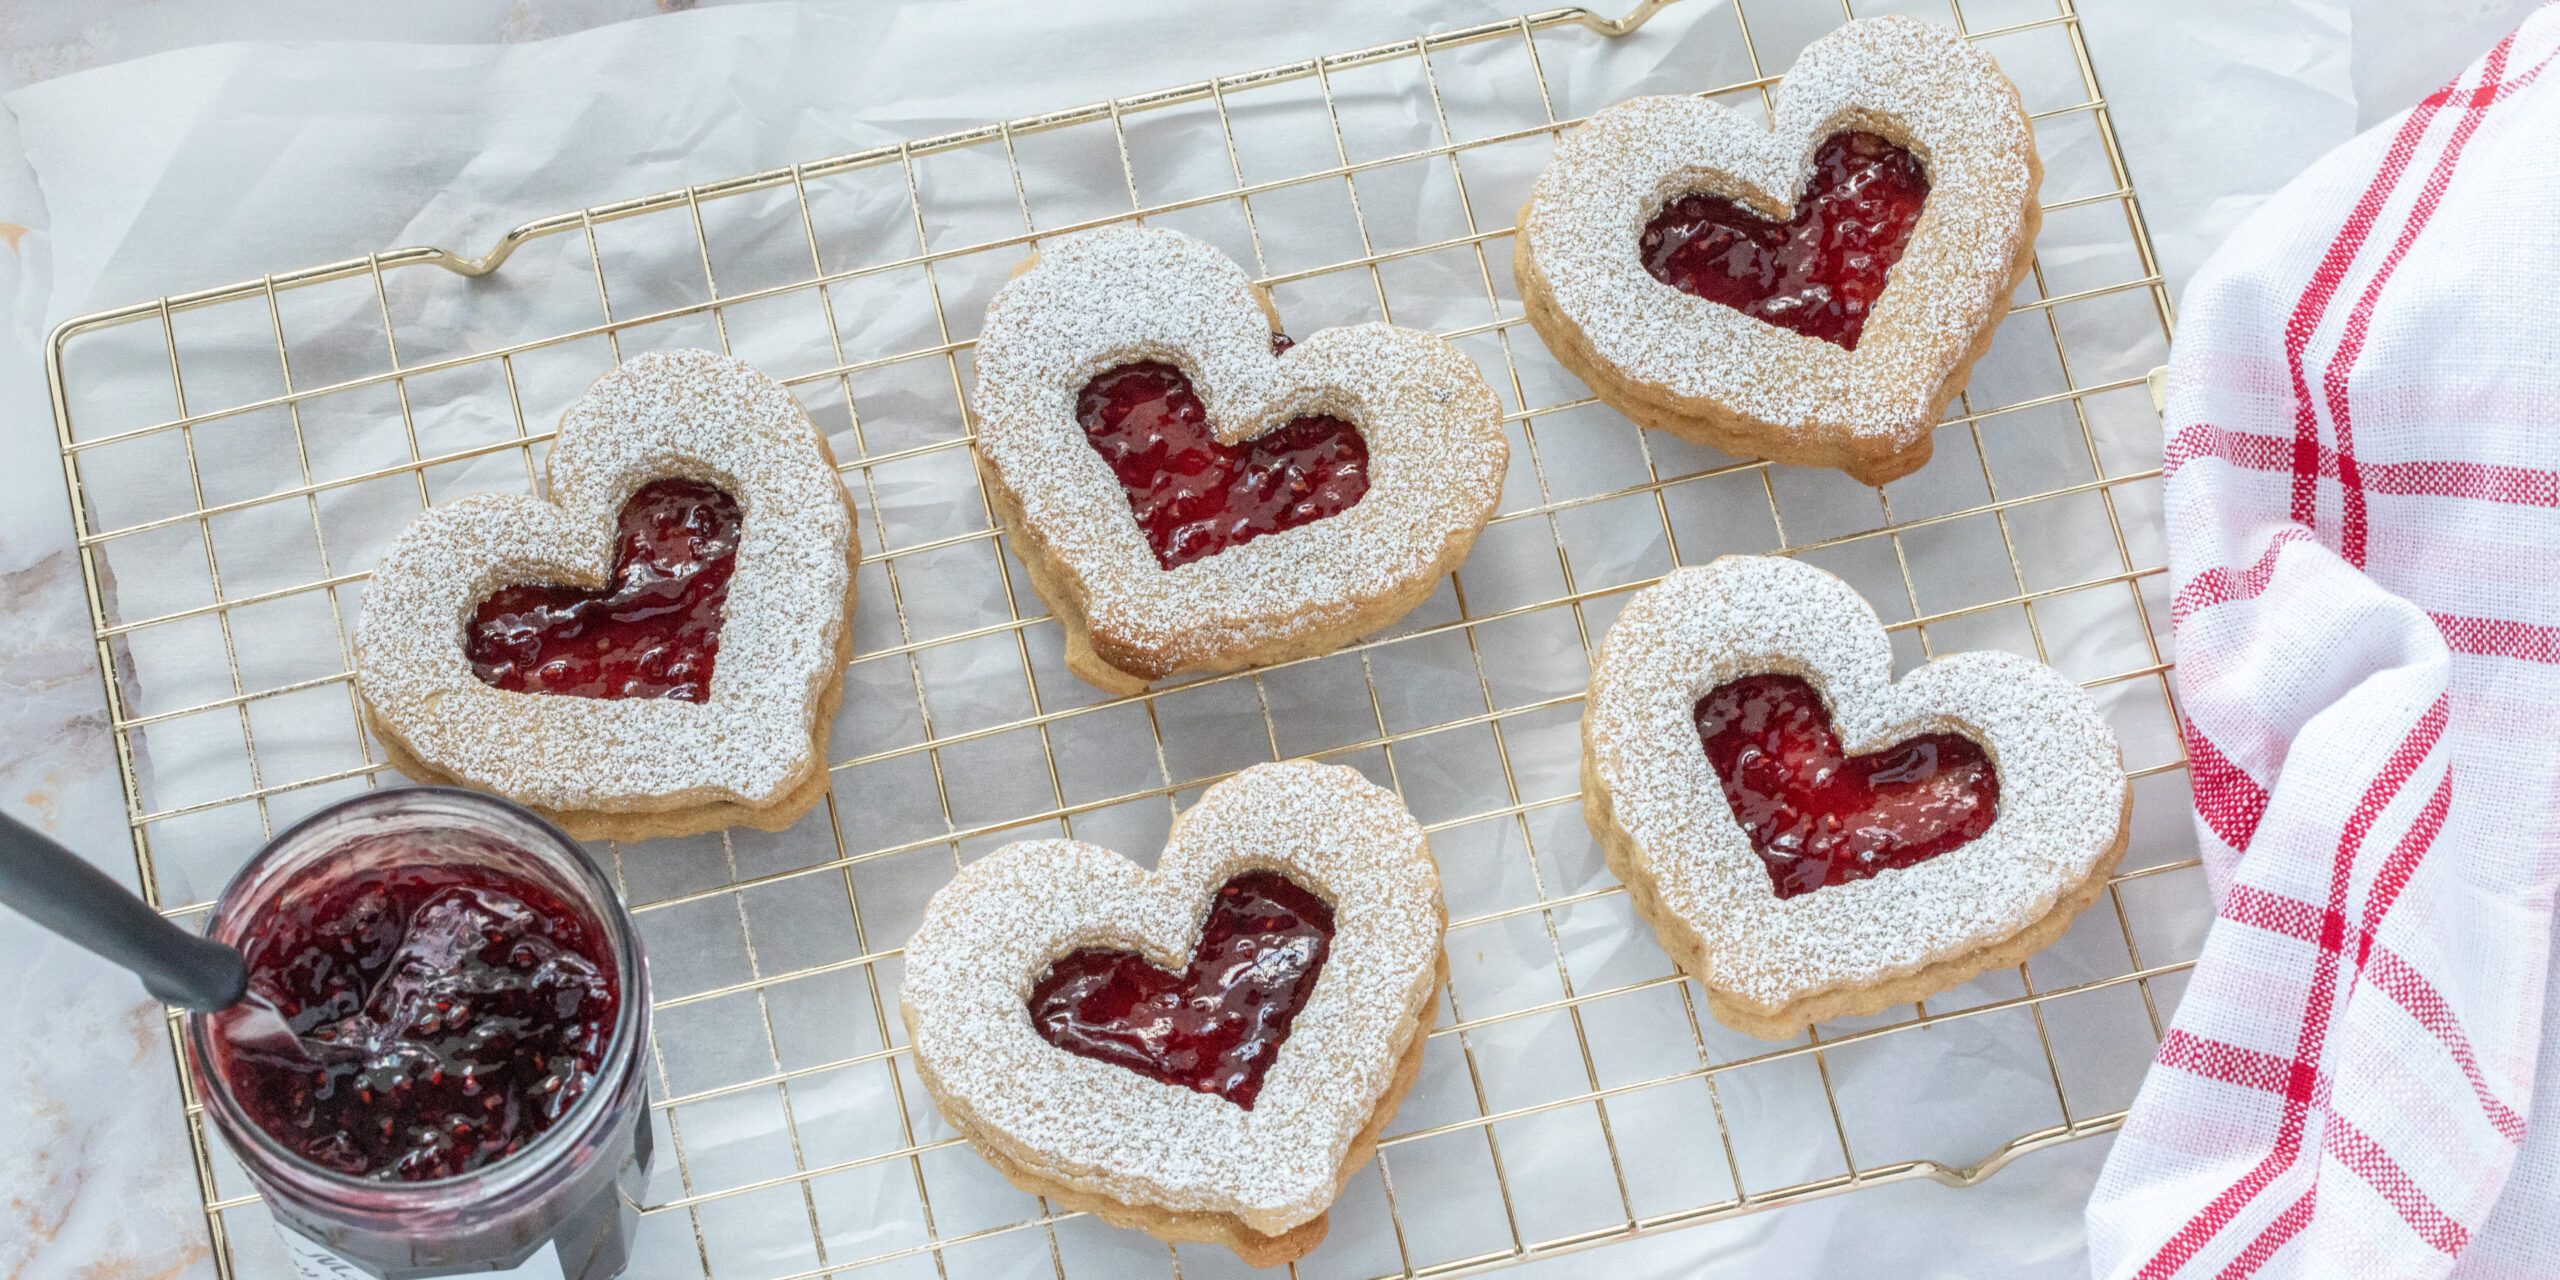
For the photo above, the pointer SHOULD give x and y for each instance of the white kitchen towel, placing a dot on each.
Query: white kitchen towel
(2363, 504)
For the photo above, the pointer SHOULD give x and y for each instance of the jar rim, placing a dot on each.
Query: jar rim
(264, 1157)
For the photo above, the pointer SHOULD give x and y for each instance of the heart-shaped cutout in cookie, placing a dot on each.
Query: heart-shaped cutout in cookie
(653, 630)
(1848, 362)
(565, 595)
(1773, 960)
(1196, 495)
(1217, 1026)
(1818, 815)
(1158, 559)
(1817, 272)
(1023, 937)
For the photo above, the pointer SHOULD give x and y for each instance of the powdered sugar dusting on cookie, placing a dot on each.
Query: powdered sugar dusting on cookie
(990, 933)
(1112, 297)
(2062, 783)
(691, 414)
(1919, 85)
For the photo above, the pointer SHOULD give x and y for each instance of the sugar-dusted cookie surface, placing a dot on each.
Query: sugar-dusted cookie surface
(1107, 300)
(1711, 374)
(1774, 964)
(1187, 1163)
(752, 750)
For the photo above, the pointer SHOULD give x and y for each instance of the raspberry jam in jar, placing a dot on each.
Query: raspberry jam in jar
(470, 1005)
(454, 1013)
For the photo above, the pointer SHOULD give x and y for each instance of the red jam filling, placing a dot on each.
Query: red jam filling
(1818, 272)
(451, 1013)
(1819, 817)
(1215, 1027)
(654, 632)
(1194, 496)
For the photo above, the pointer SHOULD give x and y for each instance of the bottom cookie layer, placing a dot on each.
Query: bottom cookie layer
(627, 826)
(1784, 1021)
(1093, 659)
(1179, 1226)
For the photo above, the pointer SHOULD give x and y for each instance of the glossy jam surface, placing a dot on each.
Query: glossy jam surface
(1818, 272)
(1216, 1026)
(449, 1012)
(1195, 496)
(653, 632)
(1818, 817)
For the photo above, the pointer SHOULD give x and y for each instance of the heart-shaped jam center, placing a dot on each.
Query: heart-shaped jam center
(1195, 496)
(1818, 272)
(1216, 1026)
(652, 632)
(1820, 817)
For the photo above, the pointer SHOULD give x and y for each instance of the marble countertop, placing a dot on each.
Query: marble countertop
(2216, 104)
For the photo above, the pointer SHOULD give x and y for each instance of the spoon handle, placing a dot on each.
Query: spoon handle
(56, 888)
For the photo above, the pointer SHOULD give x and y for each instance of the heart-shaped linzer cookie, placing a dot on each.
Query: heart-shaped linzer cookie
(1205, 1051)
(1812, 292)
(1190, 494)
(1800, 875)
(655, 649)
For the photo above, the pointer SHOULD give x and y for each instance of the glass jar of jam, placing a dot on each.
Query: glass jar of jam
(463, 1090)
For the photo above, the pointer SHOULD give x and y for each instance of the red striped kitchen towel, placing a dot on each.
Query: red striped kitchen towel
(2363, 506)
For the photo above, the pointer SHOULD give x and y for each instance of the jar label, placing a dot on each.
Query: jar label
(314, 1261)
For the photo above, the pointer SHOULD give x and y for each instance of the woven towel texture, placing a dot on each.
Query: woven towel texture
(2363, 505)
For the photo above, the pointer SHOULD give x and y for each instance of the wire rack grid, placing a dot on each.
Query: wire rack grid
(1573, 1095)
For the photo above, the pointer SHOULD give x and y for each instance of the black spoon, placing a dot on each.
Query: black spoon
(56, 888)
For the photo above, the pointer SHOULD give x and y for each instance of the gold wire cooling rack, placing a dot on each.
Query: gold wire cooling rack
(1573, 1095)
